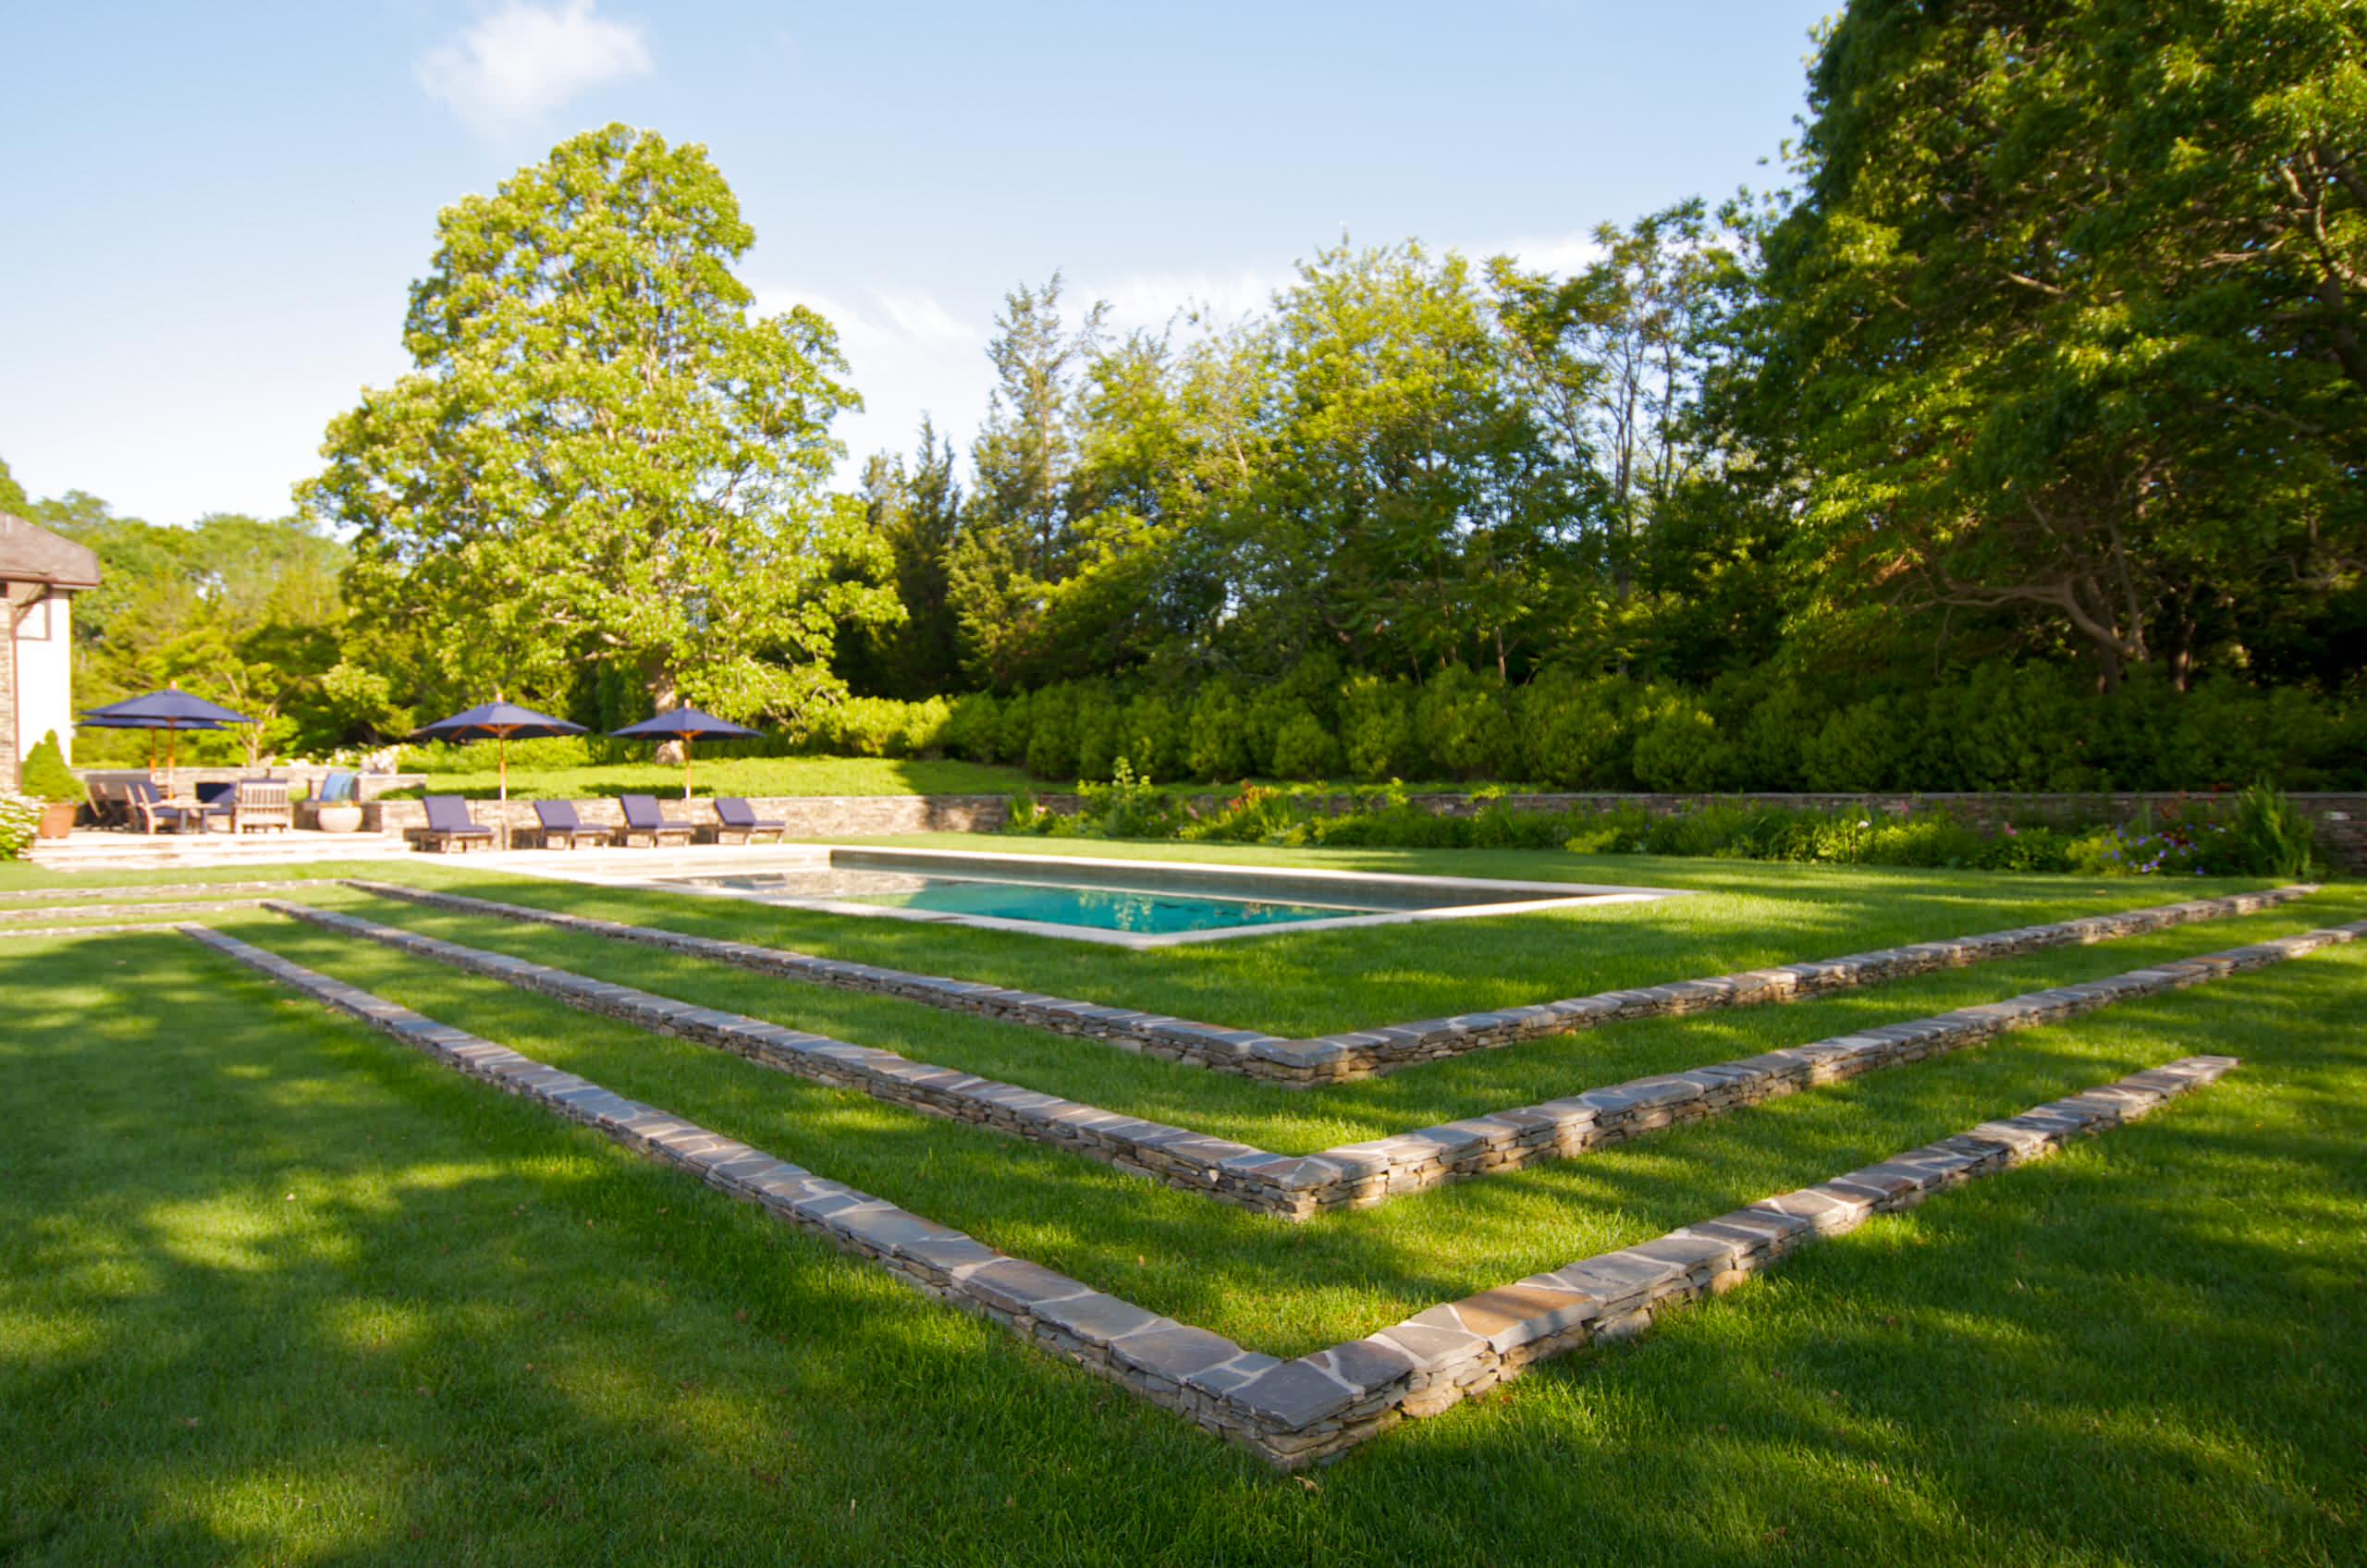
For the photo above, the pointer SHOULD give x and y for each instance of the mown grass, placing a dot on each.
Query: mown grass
(1304, 1121)
(1737, 915)
(736, 776)
(277, 1288)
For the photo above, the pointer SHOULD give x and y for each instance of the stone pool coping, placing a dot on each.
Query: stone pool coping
(1482, 897)
(1359, 1175)
(1294, 1413)
(1355, 1054)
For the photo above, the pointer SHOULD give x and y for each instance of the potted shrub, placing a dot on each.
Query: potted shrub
(48, 779)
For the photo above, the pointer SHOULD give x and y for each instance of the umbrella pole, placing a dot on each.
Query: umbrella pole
(686, 768)
(503, 742)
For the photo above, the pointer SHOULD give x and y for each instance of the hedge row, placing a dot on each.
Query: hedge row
(2002, 727)
(2257, 832)
(2006, 728)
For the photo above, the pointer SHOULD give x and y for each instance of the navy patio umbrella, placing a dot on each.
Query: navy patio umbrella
(497, 720)
(171, 710)
(686, 725)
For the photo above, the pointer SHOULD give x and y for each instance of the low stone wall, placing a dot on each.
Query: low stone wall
(1354, 1175)
(2341, 817)
(1290, 1413)
(1333, 1059)
(807, 816)
(304, 774)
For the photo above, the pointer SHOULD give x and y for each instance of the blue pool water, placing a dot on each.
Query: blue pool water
(1144, 911)
(1102, 909)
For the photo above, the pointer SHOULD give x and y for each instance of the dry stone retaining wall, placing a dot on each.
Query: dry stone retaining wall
(1290, 1413)
(807, 816)
(1355, 1175)
(1332, 1059)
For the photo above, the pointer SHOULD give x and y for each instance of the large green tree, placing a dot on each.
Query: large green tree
(604, 457)
(2065, 328)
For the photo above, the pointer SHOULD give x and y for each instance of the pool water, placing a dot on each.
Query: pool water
(1143, 912)
(1100, 908)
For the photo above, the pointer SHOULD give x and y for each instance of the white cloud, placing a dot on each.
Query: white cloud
(1558, 253)
(907, 354)
(525, 59)
(1152, 299)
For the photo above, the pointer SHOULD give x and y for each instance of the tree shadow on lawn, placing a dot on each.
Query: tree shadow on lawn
(467, 1324)
(2146, 1350)
(1275, 1287)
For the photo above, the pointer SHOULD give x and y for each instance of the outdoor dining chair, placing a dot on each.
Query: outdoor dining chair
(149, 810)
(260, 802)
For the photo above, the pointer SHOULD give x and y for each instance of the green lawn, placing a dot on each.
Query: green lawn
(273, 1287)
(739, 776)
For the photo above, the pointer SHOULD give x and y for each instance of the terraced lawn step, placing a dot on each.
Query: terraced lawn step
(175, 907)
(103, 928)
(162, 889)
(1316, 1407)
(1352, 1175)
(1340, 1057)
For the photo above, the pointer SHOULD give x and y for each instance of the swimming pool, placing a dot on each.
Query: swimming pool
(1124, 902)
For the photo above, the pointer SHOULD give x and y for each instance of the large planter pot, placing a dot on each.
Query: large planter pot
(56, 819)
(339, 816)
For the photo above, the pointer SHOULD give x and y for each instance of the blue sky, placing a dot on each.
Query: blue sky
(213, 212)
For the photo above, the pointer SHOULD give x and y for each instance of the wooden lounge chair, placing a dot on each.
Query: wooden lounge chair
(561, 825)
(260, 802)
(643, 820)
(734, 816)
(109, 808)
(449, 823)
(149, 809)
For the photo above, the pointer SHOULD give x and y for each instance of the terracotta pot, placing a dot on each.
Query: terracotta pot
(339, 816)
(57, 819)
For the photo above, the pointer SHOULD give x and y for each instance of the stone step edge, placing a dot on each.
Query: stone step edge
(1297, 1187)
(169, 907)
(1290, 1413)
(1354, 1054)
(28, 932)
(137, 889)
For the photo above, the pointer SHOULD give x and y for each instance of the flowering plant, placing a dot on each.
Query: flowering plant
(19, 822)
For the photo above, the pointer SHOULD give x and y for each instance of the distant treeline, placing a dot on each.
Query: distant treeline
(2017, 443)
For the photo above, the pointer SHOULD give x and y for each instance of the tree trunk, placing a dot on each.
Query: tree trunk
(665, 694)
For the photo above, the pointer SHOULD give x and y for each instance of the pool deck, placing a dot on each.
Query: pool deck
(1459, 897)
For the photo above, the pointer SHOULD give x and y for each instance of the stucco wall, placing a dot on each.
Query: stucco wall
(44, 698)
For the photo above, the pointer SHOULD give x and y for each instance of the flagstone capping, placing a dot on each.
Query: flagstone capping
(1359, 1175)
(105, 928)
(195, 889)
(174, 907)
(1364, 1053)
(1314, 1408)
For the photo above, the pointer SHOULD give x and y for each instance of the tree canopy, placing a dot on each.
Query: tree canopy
(604, 457)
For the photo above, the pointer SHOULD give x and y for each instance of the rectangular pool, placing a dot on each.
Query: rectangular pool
(1124, 902)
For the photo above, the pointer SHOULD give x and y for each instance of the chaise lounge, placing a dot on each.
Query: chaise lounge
(562, 825)
(733, 815)
(449, 822)
(643, 820)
